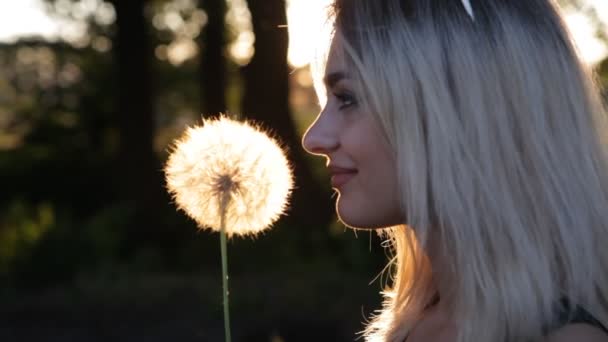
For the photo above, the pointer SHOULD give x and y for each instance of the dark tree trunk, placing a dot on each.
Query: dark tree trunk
(213, 61)
(266, 100)
(139, 172)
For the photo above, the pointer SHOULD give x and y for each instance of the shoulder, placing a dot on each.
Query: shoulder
(577, 332)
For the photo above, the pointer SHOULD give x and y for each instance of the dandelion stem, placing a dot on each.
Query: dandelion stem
(224, 252)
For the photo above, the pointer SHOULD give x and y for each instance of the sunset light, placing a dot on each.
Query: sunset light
(306, 17)
(145, 143)
(305, 25)
(592, 49)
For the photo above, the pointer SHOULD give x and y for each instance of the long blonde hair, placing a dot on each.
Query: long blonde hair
(498, 132)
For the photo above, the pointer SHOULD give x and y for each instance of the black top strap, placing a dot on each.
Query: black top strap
(583, 316)
(568, 316)
(578, 314)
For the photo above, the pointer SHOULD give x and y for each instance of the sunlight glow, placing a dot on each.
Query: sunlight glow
(305, 19)
(305, 15)
(181, 50)
(238, 19)
(28, 18)
(591, 48)
(184, 22)
(24, 19)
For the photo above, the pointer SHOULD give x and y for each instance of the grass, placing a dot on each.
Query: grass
(271, 307)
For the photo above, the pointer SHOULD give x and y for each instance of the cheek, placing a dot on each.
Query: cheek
(371, 199)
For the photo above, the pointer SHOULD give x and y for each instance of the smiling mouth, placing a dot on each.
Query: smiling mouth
(339, 179)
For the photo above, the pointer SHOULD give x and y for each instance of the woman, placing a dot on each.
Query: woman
(471, 135)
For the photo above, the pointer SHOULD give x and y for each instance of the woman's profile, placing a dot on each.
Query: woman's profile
(473, 138)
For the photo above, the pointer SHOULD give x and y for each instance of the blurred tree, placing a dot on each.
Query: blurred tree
(265, 99)
(212, 60)
(138, 169)
(58, 109)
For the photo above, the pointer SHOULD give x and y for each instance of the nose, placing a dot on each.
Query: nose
(319, 138)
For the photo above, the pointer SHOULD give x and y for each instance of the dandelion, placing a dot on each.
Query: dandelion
(231, 177)
(227, 160)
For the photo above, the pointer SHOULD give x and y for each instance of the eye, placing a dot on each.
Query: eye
(345, 99)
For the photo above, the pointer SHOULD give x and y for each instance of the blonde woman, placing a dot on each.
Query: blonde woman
(473, 138)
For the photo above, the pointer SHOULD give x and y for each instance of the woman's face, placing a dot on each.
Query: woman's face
(351, 139)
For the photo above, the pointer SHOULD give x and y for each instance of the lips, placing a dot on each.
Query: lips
(340, 175)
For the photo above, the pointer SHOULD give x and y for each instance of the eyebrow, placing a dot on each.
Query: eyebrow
(331, 79)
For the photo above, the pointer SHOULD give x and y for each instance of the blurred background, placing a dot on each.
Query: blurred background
(92, 93)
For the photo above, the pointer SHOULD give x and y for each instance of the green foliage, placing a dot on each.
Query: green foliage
(22, 226)
(42, 245)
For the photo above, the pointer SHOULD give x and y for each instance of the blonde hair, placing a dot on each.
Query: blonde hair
(497, 128)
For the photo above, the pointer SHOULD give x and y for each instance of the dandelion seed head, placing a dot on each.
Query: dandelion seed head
(231, 161)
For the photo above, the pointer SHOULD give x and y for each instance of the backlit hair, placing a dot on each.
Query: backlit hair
(499, 136)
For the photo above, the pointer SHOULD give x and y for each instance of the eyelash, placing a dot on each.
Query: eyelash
(346, 99)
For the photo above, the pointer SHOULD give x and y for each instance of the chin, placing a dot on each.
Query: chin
(358, 218)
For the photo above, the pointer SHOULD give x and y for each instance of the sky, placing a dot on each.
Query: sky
(24, 17)
(27, 17)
